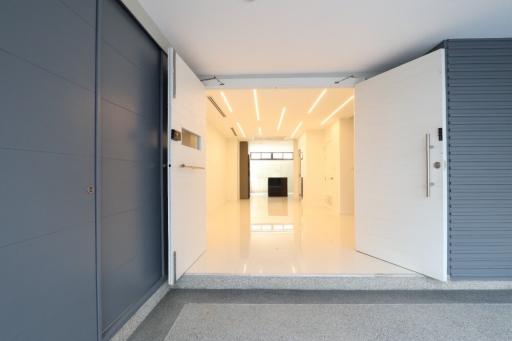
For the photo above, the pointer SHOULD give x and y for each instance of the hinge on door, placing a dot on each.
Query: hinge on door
(440, 134)
(173, 73)
(174, 267)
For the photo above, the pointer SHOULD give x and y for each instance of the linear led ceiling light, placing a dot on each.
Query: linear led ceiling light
(256, 104)
(283, 111)
(259, 131)
(241, 130)
(296, 129)
(315, 103)
(337, 110)
(226, 101)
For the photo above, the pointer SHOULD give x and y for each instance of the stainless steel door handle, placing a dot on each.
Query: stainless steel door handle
(428, 148)
(190, 166)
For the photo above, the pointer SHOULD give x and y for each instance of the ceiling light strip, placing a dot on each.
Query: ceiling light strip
(297, 129)
(226, 101)
(256, 104)
(315, 103)
(283, 111)
(337, 110)
(241, 130)
(260, 132)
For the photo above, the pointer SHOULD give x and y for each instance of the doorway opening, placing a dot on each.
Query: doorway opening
(295, 150)
(368, 192)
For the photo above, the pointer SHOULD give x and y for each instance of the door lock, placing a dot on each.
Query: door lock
(90, 189)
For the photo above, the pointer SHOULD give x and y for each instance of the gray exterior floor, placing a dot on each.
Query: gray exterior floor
(158, 324)
(357, 322)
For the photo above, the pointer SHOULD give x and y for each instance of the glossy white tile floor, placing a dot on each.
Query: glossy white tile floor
(281, 236)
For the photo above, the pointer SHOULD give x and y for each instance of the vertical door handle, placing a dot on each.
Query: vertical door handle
(428, 148)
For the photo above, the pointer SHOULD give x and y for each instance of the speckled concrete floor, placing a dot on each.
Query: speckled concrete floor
(333, 322)
(160, 321)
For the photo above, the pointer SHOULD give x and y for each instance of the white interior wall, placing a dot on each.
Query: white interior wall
(221, 169)
(331, 166)
(327, 166)
(261, 170)
(232, 169)
(296, 169)
(347, 166)
(301, 146)
(311, 144)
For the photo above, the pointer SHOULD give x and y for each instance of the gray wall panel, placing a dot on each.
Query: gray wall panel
(120, 38)
(130, 259)
(42, 193)
(51, 36)
(123, 82)
(53, 299)
(47, 236)
(85, 9)
(131, 137)
(127, 186)
(37, 105)
(131, 169)
(479, 96)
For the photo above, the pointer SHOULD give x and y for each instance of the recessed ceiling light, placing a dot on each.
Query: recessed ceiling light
(241, 130)
(226, 101)
(296, 129)
(259, 131)
(283, 111)
(256, 104)
(315, 103)
(337, 110)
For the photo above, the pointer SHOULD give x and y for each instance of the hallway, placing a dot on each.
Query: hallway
(283, 236)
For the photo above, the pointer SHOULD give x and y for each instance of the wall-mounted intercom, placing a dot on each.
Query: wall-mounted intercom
(175, 135)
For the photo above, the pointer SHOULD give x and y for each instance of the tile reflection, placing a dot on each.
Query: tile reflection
(283, 236)
(272, 227)
(277, 208)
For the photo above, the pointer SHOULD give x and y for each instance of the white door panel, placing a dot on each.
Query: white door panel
(187, 185)
(397, 220)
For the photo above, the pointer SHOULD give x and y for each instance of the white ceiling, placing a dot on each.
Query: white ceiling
(271, 101)
(240, 37)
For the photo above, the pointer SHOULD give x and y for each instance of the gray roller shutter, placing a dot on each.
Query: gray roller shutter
(479, 97)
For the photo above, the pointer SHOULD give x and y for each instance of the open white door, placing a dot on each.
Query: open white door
(187, 180)
(400, 166)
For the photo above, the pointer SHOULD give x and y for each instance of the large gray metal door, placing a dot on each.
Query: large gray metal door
(47, 233)
(130, 108)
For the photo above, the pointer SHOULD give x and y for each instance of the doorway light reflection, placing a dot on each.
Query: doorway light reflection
(272, 227)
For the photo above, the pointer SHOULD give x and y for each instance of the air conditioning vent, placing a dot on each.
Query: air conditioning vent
(212, 101)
